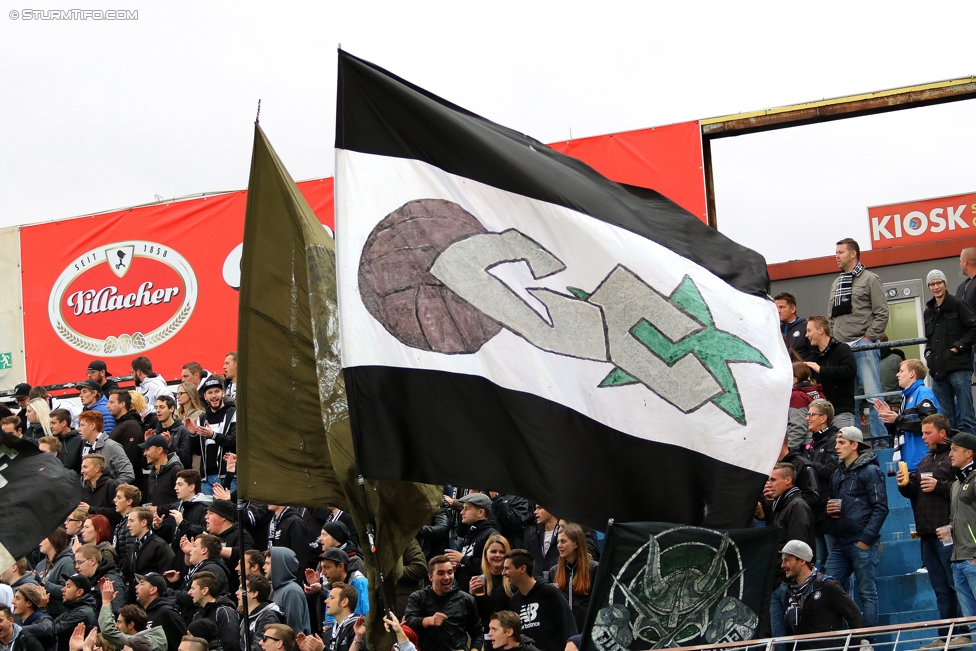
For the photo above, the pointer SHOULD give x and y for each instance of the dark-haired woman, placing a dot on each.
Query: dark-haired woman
(56, 565)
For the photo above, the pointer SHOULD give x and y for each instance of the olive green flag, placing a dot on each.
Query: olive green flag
(294, 441)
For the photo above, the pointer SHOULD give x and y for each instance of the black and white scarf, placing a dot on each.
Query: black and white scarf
(796, 595)
(842, 293)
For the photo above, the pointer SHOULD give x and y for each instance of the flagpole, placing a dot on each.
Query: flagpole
(243, 573)
(371, 539)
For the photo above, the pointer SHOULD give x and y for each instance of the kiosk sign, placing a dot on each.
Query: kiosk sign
(928, 220)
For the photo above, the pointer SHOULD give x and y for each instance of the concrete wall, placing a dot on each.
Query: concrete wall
(812, 293)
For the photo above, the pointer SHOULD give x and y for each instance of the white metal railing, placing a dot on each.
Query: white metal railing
(885, 638)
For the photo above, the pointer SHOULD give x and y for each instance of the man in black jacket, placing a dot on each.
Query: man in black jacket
(70, 439)
(836, 370)
(162, 468)
(930, 490)
(443, 616)
(793, 327)
(540, 540)
(475, 510)
(150, 593)
(791, 517)
(217, 608)
(202, 554)
(168, 425)
(817, 603)
(950, 328)
(220, 519)
(79, 608)
(100, 489)
(186, 516)
(129, 433)
(149, 553)
(512, 514)
(216, 435)
(287, 529)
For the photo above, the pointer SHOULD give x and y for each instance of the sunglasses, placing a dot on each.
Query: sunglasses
(268, 637)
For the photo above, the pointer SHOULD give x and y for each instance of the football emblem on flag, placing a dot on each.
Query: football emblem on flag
(399, 291)
(122, 298)
(426, 274)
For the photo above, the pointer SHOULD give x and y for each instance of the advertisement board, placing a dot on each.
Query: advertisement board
(160, 281)
(925, 220)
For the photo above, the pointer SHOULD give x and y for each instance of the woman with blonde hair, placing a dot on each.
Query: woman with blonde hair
(188, 404)
(146, 411)
(39, 417)
(575, 571)
(490, 589)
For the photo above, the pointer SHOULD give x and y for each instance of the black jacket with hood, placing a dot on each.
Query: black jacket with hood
(160, 485)
(471, 549)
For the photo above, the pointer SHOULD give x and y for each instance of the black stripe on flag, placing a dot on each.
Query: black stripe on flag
(380, 113)
(462, 430)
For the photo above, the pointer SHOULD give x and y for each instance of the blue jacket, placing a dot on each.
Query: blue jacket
(917, 402)
(101, 406)
(861, 486)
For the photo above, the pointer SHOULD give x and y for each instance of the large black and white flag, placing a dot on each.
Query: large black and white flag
(36, 494)
(513, 321)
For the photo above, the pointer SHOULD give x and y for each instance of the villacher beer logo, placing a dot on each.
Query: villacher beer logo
(123, 298)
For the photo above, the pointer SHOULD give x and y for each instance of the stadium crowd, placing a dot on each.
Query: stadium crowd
(150, 560)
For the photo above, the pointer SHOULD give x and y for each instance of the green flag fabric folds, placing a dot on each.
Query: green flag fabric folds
(293, 434)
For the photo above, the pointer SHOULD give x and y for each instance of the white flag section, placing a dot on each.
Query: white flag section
(439, 272)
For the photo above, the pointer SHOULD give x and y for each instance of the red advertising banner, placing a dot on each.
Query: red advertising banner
(159, 281)
(666, 159)
(928, 220)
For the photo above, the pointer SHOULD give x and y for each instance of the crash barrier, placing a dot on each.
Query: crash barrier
(895, 637)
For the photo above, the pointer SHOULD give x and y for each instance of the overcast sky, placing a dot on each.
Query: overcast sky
(99, 115)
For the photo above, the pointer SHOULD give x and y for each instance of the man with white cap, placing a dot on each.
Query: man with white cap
(816, 603)
(860, 505)
(950, 331)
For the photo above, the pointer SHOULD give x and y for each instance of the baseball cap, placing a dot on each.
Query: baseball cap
(22, 390)
(155, 439)
(479, 500)
(80, 581)
(210, 383)
(154, 579)
(853, 435)
(799, 549)
(965, 440)
(89, 384)
(335, 555)
(224, 508)
(99, 365)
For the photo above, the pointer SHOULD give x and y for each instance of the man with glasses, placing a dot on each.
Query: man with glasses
(950, 331)
(278, 637)
(90, 564)
(821, 452)
(99, 372)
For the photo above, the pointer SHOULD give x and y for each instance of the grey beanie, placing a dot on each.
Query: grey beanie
(935, 274)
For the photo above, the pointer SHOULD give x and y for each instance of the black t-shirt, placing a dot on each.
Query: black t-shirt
(546, 616)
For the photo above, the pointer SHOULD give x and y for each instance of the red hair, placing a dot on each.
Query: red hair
(103, 530)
